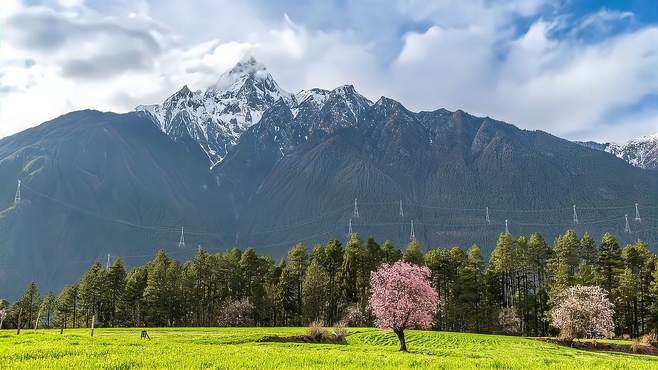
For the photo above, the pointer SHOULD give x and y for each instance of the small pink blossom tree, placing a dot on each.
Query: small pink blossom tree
(402, 298)
(583, 312)
(3, 315)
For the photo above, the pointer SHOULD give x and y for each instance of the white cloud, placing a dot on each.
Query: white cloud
(471, 55)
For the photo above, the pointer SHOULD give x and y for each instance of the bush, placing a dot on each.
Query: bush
(353, 317)
(340, 332)
(237, 313)
(583, 312)
(316, 332)
(509, 321)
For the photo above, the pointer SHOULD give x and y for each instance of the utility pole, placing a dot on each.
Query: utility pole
(637, 214)
(17, 197)
(412, 235)
(181, 242)
(575, 215)
(627, 228)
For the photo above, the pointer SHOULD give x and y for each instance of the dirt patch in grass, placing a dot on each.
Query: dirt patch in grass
(324, 339)
(606, 347)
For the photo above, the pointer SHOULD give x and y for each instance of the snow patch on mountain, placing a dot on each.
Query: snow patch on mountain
(641, 152)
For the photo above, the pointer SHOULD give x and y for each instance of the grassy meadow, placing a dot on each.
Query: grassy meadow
(236, 348)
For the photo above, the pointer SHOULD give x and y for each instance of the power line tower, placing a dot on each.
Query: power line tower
(487, 217)
(17, 197)
(401, 210)
(627, 228)
(506, 227)
(575, 215)
(355, 214)
(349, 229)
(412, 235)
(107, 264)
(181, 242)
(637, 214)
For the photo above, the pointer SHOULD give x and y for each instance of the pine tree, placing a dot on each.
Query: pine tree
(116, 282)
(390, 254)
(332, 264)
(314, 292)
(350, 272)
(132, 305)
(92, 290)
(413, 253)
(48, 308)
(610, 263)
(67, 301)
(588, 251)
(29, 304)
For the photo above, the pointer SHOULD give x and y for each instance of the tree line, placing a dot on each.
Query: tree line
(512, 292)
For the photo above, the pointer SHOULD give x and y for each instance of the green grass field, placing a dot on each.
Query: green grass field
(236, 348)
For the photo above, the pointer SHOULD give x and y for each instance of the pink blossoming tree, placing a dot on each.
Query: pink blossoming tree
(583, 312)
(402, 298)
(3, 315)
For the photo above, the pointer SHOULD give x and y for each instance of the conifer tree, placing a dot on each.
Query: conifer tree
(413, 253)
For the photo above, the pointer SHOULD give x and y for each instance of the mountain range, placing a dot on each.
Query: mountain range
(246, 163)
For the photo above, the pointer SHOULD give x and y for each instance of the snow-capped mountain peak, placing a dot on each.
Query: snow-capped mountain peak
(217, 117)
(640, 152)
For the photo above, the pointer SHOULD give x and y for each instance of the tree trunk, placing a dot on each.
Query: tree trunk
(403, 343)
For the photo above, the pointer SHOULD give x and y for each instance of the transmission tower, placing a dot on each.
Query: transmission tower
(412, 235)
(181, 242)
(506, 227)
(355, 214)
(487, 217)
(107, 264)
(627, 228)
(637, 214)
(17, 197)
(349, 229)
(401, 210)
(575, 215)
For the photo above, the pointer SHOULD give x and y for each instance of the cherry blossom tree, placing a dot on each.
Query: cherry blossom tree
(402, 298)
(583, 312)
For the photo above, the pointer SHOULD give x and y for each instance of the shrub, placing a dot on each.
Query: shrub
(583, 312)
(237, 313)
(509, 321)
(352, 316)
(340, 332)
(316, 332)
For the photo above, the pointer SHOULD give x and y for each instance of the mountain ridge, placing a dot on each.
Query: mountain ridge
(98, 183)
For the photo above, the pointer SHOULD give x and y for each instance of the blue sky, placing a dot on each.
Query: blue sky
(578, 69)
